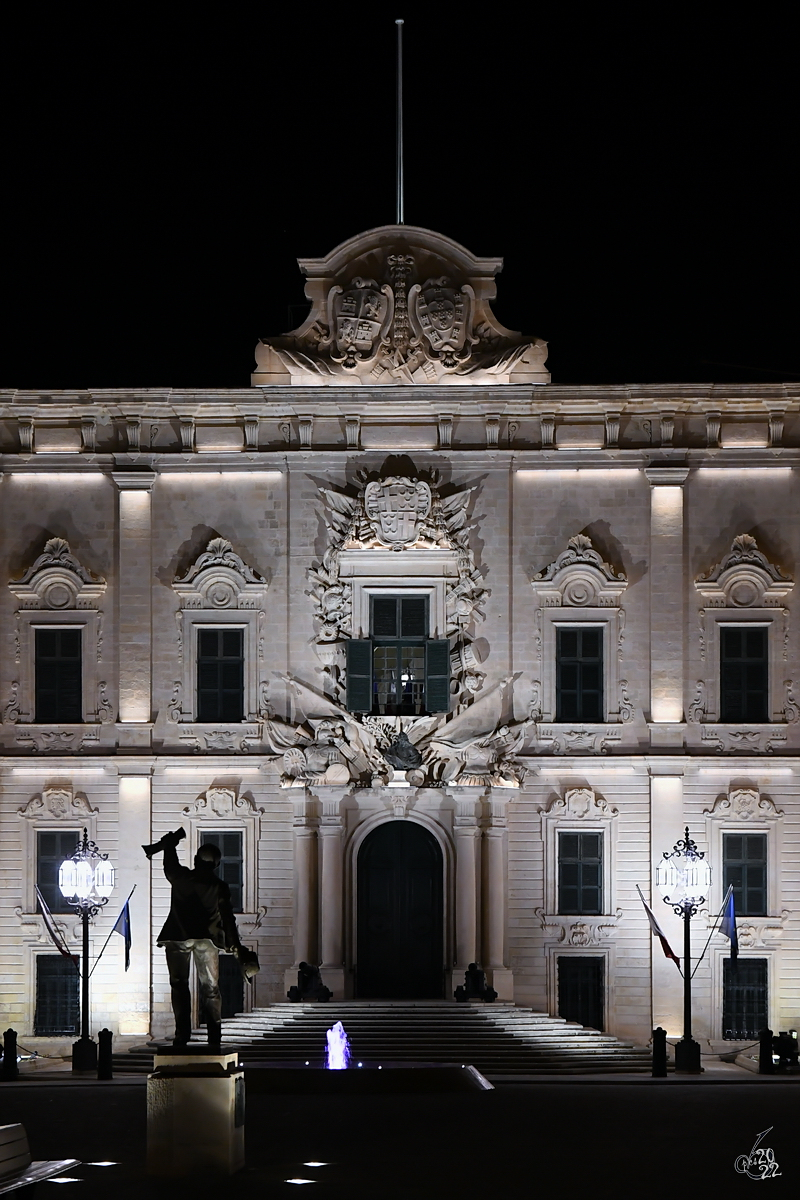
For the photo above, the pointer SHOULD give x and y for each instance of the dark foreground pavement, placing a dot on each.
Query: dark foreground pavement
(648, 1138)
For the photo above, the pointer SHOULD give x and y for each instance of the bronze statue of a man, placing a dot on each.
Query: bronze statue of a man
(199, 925)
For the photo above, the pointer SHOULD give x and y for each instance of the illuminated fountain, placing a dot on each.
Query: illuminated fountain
(338, 1057)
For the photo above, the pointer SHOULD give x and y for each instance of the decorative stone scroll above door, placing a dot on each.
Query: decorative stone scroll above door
(400, 305)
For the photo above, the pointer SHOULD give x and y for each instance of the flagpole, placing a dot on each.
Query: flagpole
(108, 939)
(713, 928)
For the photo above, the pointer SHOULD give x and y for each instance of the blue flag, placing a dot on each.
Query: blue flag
(123, 926)
(728, 926)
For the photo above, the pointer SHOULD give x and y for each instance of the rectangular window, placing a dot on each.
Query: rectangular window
(398, 670)
(744, 674)
(579, 674)
(52, 847)
(220, 675)
(231, 867)
(57, 996)
(744, 858)
(744, 998)
(58, 675)
(580, 873)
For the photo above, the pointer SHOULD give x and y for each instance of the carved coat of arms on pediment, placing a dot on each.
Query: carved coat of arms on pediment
(400, 305)
(442, 315)
(395, 508)
(358, 318)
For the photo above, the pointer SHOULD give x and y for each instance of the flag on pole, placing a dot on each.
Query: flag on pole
(728, 926)
(123, 927)
(55, 935)
(658, 931)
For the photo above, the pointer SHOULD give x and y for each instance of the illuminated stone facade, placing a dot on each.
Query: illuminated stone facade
(431, 460)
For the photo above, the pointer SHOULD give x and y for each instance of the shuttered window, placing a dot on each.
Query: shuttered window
(744, 857)
(58, 676)
(744, 674)
(580, 873)
(220, 675)
(744, 998)
(398, 670)
(579, 674)
(57, 996)
(52, 847)
(231, 867)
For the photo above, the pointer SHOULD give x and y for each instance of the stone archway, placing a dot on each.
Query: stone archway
(400, 949)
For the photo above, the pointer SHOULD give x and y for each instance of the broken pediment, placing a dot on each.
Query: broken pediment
(400, 305)
(220, 579)
(579, 577)
(57, 580)
(744, 579)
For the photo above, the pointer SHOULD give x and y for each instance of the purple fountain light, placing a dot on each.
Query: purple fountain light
(338, 1048)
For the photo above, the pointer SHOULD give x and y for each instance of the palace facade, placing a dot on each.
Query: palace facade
(442, 655)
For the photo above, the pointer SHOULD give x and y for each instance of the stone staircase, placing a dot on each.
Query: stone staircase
(498, 1039)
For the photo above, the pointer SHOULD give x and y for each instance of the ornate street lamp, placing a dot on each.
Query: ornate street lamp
(684, 877)
(86, 881)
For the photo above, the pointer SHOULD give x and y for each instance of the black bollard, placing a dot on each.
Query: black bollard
(10, 1069)
(765, 1063)
(104, 1054)
(659, 1053)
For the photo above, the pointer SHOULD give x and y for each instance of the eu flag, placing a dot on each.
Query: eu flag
(123, 926)
(728, 927)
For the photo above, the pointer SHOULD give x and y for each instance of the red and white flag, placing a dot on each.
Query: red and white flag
(658, 931)
(52, 929)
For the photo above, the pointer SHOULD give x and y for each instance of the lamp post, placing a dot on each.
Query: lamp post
(683, 877)
(86, 881)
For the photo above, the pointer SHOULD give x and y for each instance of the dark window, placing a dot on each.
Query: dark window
(743, 674)
(745, 866)
(744, 998)
(398, 670)
(58, 675)
(580, 989)
(220, 675)
(52, 847)
(579, 674)
(231, 866)
(231, 985)
(580, 873)
(57, 996)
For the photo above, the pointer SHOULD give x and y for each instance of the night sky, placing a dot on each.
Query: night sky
(636, 169)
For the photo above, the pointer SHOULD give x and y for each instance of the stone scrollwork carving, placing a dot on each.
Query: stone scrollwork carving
(791, 710)
(745, 578)
(220, 579)
(57, 581)
(744, 804)
(579, 804)
(579, 578)
(58, 804)
(221, 803)
(398, 513)
(400, 305)
(11, 712)
(697, 710)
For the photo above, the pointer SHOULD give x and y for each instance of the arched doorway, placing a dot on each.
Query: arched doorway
(400, 926)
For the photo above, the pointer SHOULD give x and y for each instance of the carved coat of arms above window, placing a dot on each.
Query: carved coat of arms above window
(400, 305)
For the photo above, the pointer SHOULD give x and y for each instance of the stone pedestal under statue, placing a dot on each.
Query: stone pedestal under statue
(195, 1113)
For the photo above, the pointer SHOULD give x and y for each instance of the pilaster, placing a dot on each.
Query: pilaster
(134, 607)
(667, 601)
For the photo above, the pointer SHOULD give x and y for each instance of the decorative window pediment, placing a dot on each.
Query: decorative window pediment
(744, 579)
(580, 804)
(220, 591)
(579, 578)
(219, 578)
(220, 803)
(57, 581)
(743, 804)
(57, 804)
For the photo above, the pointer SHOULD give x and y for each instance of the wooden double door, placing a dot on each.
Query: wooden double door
(400, 950)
